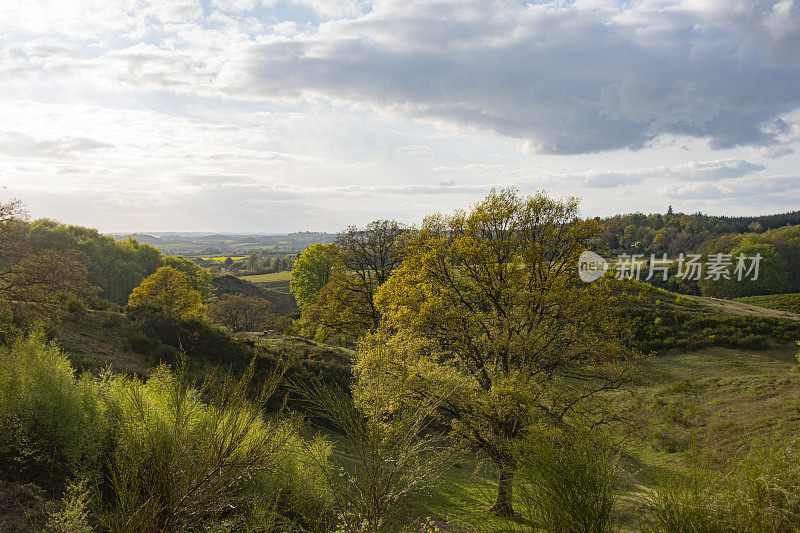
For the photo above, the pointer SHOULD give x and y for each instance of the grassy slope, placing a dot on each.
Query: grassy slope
(283, 301)
(774, 306)
(276, 276)
(782, 302)
(98, 339)
(708, 403)
(700, 405)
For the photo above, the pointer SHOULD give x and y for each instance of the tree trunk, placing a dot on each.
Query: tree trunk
(504, 504)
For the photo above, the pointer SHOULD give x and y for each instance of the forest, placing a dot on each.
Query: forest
(455, 375)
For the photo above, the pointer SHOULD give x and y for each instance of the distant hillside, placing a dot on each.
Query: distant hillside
(283, 302)
(201, 244)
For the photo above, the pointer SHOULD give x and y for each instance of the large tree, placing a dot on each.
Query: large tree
(197, 277)
(487, 315)
(367, 257)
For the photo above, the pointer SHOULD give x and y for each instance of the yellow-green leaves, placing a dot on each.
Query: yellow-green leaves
(166, 289)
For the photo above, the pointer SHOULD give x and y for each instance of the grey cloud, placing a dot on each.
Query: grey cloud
(563, 79)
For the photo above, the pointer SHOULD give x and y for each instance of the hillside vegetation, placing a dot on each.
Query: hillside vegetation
(426, 383)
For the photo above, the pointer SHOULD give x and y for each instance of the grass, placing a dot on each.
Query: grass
(263, 278)
(782, 302)
(706, 405)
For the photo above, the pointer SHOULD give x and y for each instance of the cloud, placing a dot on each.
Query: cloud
(715, 170)
(701, 171)
(758, 188)
(414, 149)
(19, 145)
(563, 79)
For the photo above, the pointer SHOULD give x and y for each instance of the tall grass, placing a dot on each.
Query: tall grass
(567, 483)
(758, 493)
(390, 462)
(181, 461)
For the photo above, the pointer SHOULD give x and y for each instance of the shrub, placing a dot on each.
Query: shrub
(73, 516)
(160, 455)
(195, 337)
(567, 483)
(51, 423)
(181, 462)
(392, 462)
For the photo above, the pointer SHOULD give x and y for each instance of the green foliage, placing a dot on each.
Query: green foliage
(238, 312)
(73, 515)
(196, 338)
(487, 306)
(161, 455)
(772, 275)
(567, 482)
(345, 306)
(392, 461)
(664, 329)
(781, 302)
(311, 271)
(168, 291)
(282, 302)
(51, 423)
(116, 267)
(197, 278)
(180, 462)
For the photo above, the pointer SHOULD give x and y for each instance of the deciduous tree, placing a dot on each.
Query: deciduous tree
(311, 272)
(488, 304)
(37, 280)
(197, 277)
(238, 312)
(167, 290)
(366, 259)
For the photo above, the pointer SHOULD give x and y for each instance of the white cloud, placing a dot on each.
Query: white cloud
(303, 113)
(414, 149)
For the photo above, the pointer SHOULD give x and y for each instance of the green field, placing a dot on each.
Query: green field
(268, 278)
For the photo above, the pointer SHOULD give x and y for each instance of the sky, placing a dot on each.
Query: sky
(288, 115)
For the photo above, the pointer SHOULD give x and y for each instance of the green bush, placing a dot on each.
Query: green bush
(187, 456)
(392, 462)
(161, 455)
(52, 424)
(73, 516)
(567, 483)
(195, 337)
